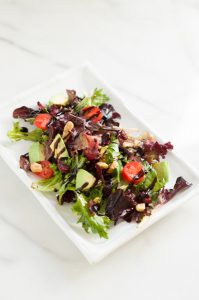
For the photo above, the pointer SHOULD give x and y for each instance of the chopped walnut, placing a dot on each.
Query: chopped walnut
(140, 207)
(35, 167)
(67, 130)
(102, 165)
(112, 167)
(132, 143)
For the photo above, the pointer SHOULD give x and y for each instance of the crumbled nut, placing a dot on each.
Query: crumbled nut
(112, 167)
(132, 143)
(144, 219)
(67, 130)
(136, 143)
(102, 165)
(97, 200)
(123, 187)
(103, 150)
(35, 167)
(128, 144)
(140, 207)
(151, 138)
(146, 136)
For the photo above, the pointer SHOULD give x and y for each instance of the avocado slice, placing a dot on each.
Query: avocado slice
(36, 152)
(58, 147)
(84, 177)
(162, 170)
(60, 99)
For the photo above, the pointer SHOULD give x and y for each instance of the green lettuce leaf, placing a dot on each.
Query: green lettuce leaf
(30, 120)
(112, 153)
(75, 163)
(17, 134)
(84, 103)
(98, 97)
(90, 222)
(66, 185)
(149, 177)
(50, 184)
(117, 171)
(95, 192)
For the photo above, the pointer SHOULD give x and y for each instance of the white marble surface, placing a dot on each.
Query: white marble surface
(149, 51)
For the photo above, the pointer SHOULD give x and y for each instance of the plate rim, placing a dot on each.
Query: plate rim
(89, 254)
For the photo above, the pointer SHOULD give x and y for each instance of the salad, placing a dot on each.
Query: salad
(79, 151)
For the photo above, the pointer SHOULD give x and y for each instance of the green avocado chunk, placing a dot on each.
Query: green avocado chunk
(84, 178)
(60, 99)
(162, 170)
(36, 152)
(58, 147)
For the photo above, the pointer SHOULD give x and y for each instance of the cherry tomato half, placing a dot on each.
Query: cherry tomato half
(46, 172)
(92, 113)
(131, 170)
(97, 118)
(42, 120)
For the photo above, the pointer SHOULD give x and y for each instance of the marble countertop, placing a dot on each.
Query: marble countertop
(149, 51)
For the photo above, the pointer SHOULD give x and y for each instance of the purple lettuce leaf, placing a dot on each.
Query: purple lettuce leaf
(118, 202)
(24, 112)
(24, 162)
(68, 197)
(109, 115)
(62, 166)
(167, 194)
(73, 98)
(154, 150)
(122, 206)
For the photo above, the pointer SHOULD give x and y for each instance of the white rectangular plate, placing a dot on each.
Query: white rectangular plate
(93, 248)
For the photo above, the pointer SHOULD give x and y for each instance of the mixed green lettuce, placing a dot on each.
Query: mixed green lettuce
(90, 222)
(84, 156)
(19, 133)
(96, 99)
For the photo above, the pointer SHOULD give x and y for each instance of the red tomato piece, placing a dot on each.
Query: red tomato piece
(42, 120)
(92, 113)
(147, 200)
(98, 118)
(46, 172)
(131, 170)
(87, 107)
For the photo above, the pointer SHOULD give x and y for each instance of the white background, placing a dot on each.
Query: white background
(149, 51)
